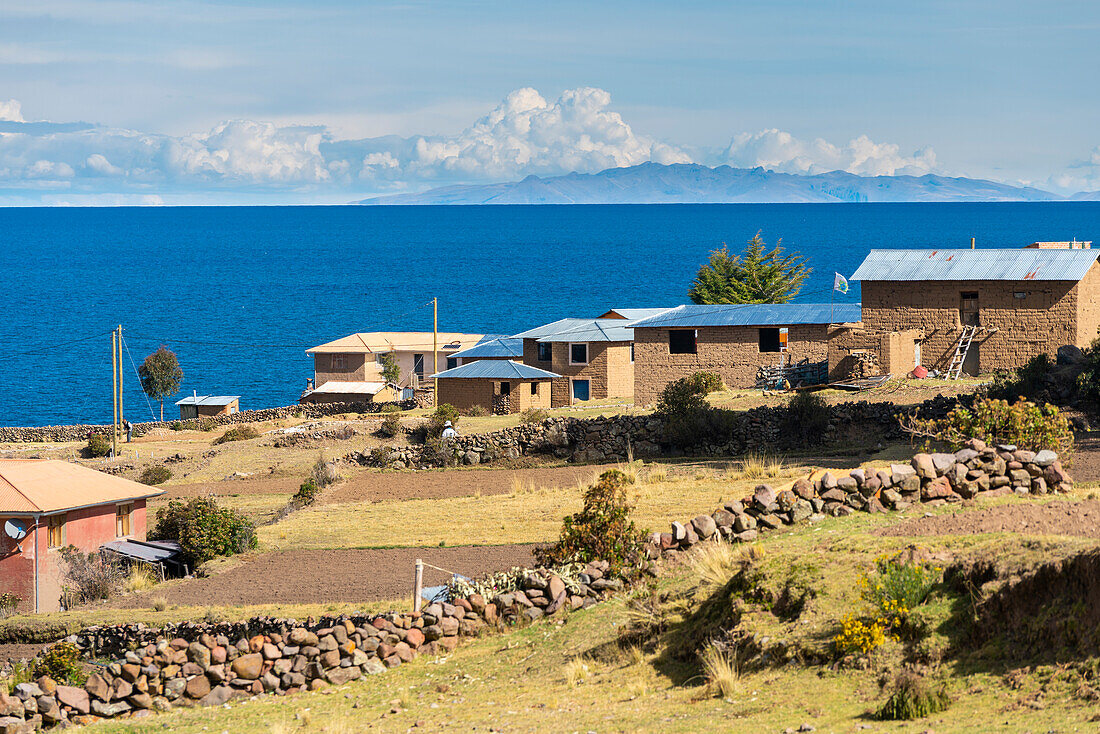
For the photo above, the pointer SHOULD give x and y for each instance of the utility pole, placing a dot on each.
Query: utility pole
(435, 350)
(121, 417)
(114, 393)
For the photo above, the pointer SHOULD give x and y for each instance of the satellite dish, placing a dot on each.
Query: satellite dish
(15, 529)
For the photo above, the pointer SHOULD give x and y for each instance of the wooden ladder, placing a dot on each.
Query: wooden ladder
(962, 347)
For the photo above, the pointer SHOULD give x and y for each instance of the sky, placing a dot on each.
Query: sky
(192, 102)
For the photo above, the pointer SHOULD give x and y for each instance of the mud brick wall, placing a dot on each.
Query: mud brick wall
(731, 351)
(1040, 322)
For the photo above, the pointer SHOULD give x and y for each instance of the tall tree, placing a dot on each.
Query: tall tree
(757, 275)
(161, 376)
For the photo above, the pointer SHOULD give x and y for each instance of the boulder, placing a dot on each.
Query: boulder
(248, 666)
(197, 687)
(763, 497)
(803, 488)
(1045, 458)
(199, 654)
(923, 466)
(301, 636)
(942, 462)
(107, 710)
(217, 697)
(97, 687)
(703, 525)
(939, 488)
(75, 698)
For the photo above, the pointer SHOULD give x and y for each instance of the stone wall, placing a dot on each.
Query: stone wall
(80, 432)
(195, 664)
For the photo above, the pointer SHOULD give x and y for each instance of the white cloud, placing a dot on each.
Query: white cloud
(1082, 175)
(780, 151)
(10, 111)
(98, 164)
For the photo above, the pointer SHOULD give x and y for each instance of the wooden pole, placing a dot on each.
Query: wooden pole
(114, 393)
(435, 349)
(418, 584)
(121, 414)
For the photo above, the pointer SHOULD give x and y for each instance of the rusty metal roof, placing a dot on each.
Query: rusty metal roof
(30, 486)
(989, 264)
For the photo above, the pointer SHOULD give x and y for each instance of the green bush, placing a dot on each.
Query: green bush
(914, 697)
(203, 529)
(98, 446)
(1022, 424)
(388, 408)
(897, 587)
(237, 433)
(533, 415)
(155, 475)
(176, 425)
(1088, 381)
(601, 531)
(476, 411)
(1028, 381)
(390, 426)
(307, 493)
(206, 424)
(61, 662)
(8, 604)
(807, 416)
(682, 397)
(709, 381)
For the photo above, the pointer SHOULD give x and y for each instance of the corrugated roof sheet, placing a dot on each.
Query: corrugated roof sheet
(496, 369)
(395, 341)
(355, 388)
(50, 485)
(753, 314)
(208, 400)
(589, 330)
(496, 347)
(150, 552)
(1022, 264)
(633, 314)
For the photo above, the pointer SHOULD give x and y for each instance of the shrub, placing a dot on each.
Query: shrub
(1028, 381)
(324, 472)
(914, 698)
(160, 604)
(155, 475)
(681, 397)
(89, 577)
(602, 530)
(203, 529)
(237, 433)
(62, 663)
(206, 424)
(807, 416)
(1088, 381)
(140, 578)
(1022, 423)
(897, 587)
(533, 415)
(388, 408)
(391, 425)
(433, 427)
(8, 604)
(98, 446)
(307, 493)
(476, 411)
(722, 672)
(382, 455)
(859, 635)
(176, 425)
(708, 381)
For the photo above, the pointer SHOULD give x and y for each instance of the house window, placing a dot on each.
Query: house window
(968, 309)
(580, 389)
(418, 364)
(55, 531)
(339, 363)
(631, 352)
(122, 519)
(578, 353)
(769, 340)
(546, 352)
(505, 388)
(534, 388)
(681, 341)
(452, 362)
(1019, 295)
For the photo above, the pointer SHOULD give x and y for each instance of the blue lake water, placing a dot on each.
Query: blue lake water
(240, 292)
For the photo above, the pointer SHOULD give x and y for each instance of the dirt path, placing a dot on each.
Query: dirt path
(309, 576)
(1080, 519)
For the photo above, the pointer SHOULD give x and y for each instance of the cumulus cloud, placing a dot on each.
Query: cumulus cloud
(780, 151)
(1081, 175)
(11, 111)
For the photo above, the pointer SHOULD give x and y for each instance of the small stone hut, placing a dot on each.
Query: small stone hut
(499, 386)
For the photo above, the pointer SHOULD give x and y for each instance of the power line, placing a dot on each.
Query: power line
(53, 347)
(138, 376)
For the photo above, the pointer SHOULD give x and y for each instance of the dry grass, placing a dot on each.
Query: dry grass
(762, 466)
(141, 578)
(716, 561)
(722, 673)
(576, 671)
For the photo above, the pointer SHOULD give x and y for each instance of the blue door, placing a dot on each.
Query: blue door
(580, 390)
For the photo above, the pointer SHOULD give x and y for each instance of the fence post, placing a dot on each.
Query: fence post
(418, 583)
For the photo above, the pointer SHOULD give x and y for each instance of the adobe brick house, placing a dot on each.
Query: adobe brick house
(208, 406)
(499, 386)
(357, 358)
(594, 358)
(57, 504)
(492, 346)
(1022, 302)
(732, 340)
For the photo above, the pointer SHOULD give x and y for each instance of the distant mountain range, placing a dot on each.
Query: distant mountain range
(689, 183)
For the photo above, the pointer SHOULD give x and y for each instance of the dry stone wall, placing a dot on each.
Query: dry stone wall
(9, 434)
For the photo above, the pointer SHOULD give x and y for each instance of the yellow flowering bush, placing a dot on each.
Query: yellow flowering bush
(858, 635)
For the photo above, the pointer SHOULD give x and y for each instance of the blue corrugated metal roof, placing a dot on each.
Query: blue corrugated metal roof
(1021, 264)
(493, 347)
(589, 330)
(496, 369)
(634, 314)
(754, 314)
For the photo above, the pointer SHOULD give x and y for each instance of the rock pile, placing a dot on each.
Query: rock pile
(928, 478)
(208, 664)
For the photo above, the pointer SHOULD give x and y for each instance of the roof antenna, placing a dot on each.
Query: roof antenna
(971, 243)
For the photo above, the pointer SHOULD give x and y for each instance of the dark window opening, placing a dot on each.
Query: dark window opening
(505, 388)
(681, 341)
(534, 388)
(578, 353)
(968, 310)
(418, 364)
(452, 362)
(769, 340)
(546, 352)
(632, 352)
